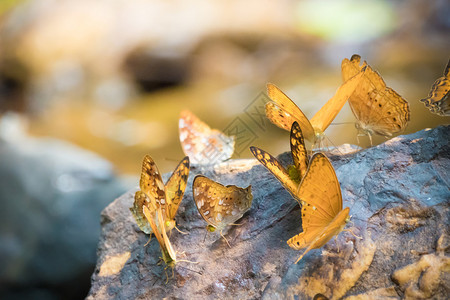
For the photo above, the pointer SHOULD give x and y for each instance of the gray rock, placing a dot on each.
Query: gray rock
(399, 196)
(52, 193)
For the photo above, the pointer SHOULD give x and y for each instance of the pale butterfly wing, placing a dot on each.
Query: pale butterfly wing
(220, 205)
(322, 213)
(141, 200)
(438, 98)
(378, 108)
(175, 187)
(202, 144)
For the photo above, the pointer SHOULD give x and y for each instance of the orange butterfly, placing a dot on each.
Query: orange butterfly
(154, 194)
(378, 108)
(322, 213)
(202, 144)
(220, 205)
(438, 101)
(282, 111)
(291, 177)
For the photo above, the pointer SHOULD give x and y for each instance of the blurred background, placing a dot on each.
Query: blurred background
(87, 88)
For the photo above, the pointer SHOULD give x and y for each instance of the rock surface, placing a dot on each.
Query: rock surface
(398, 193)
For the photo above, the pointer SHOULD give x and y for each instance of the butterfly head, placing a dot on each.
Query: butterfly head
(169, 224)
(210, 228)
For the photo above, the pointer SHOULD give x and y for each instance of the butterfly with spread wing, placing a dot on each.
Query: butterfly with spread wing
(291, 177)
(203, 145)
(322, 213)
(282, 111)
(378, 108)
(438, 101)
(220, 205)
(155, 195)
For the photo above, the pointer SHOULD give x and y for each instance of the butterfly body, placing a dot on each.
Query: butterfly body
(155, 194)
(283, 112)
(438, 101)
(158, 228)
(322, 213)
(202, 144)
(378, 108)
(291, 177)
(220, 205)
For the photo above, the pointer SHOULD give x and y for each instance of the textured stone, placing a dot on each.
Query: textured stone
(398, 193)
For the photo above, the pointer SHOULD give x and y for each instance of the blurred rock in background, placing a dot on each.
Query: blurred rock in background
(52, 193)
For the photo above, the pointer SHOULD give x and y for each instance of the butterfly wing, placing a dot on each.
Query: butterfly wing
(274, 166)
(169, 255)
(176, 186)
(141, 200)
(151, 195)
(283, 112)
(202, 144)
(323, 118)
(438, 97)
(298, 150)
(378, 109)
(220, 205)
(322, 213)
(152, 184)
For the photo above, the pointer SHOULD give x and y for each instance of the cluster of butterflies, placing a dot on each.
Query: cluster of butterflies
(312, 181)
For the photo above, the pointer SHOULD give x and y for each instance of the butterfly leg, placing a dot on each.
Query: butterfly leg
(149, 239)
(224, 238)
(356, 236)
(182, 232)
(370, 138)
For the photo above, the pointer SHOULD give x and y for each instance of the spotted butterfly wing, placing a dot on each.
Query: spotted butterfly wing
(322, 213)
(283, 112)
(378, 108)
(220, 205)
(175, 187)
(438, 101)
(154, 194)
(289, 180)
(202, 144)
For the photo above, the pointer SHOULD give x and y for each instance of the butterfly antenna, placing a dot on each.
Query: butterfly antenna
(149, 239)
(170, 159)
(182, 232)
(356, 236)
(342, 123)
(236, 224)
(188, 261)
(225, 239)
(198, 272)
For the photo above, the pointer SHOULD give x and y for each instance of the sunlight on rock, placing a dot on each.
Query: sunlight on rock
(113, 264)
(329, 279)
